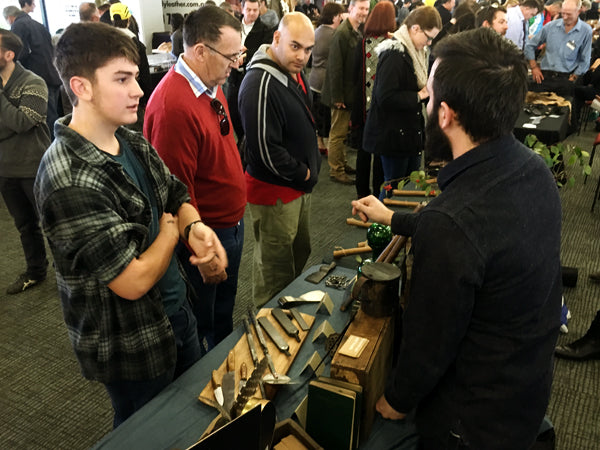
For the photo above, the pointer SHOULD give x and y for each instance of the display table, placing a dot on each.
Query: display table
(548, 129)
(176, 419)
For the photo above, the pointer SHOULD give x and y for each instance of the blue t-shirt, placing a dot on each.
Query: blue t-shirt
(171, 286)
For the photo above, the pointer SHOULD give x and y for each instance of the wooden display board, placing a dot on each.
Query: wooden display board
(371, 368)
(281, 361)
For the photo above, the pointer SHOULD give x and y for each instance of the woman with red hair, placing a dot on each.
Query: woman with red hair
(379, 26)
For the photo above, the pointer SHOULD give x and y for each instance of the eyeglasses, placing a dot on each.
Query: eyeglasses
(429, 38)
(233, 59)
(219, 109)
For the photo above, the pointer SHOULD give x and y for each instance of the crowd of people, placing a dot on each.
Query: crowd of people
(146, 229)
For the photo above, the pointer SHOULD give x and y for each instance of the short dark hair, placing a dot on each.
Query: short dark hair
(86, 46)
(483, 77)
(176, 21)
(11, 42)
(204, 25)
(488, 13)
(330, 10)
(86, 11)
(532, 4)
(22, 3)
(251, 1)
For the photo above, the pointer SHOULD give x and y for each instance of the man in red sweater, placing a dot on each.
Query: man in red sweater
(187, 121)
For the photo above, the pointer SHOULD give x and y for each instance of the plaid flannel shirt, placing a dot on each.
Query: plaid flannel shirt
(96, 221)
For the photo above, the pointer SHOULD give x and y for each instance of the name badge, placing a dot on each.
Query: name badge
(571, 45)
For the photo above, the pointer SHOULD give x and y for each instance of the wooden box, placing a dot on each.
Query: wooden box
(372, 367)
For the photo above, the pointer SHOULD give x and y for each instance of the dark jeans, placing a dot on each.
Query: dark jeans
(553, 82)
(213, 304)
(322, 115)
(129, 396)
(395, 167)
(363, 174)
(20, 202)
(184, 327)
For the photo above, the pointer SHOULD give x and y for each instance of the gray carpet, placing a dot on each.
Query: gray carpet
(46, 404)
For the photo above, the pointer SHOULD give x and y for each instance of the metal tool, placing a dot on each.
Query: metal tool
(287, 301)
(301, 322)
(228, 386)
(277, 338)
(251, 344)
(286, 323)
(217, 389)
(263, 342)
(317, 276)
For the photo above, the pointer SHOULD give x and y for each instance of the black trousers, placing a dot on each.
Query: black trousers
(20, 202)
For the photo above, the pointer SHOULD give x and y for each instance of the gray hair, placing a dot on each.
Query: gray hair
(11, 11)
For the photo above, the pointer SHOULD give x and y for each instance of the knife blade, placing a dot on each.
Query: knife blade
(277, 338)
(251, 344)
(299, 319)
(228, 387)
(286, 323)
(217, 389)
(263, 342)
(243, 377)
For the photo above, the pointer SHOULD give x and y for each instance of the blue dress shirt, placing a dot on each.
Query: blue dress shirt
(565, 52)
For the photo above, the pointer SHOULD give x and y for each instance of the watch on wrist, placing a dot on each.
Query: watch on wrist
(186, 230)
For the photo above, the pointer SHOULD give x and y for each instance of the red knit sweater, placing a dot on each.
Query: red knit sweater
(185, 132)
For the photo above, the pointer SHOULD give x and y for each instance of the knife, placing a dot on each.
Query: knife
(263, 343)
(277, 338)
(296, 314)
(286, 323)
(218, 391)
(231, 361)
(228, 387)
(243, 377)
(251, 344)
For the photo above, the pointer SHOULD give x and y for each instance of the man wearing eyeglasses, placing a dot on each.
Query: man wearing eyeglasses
(283, 159)
(187, 121)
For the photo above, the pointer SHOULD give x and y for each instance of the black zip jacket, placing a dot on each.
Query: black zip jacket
(281, 142)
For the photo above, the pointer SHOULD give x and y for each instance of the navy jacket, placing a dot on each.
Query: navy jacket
(484, 310)
(281, 142)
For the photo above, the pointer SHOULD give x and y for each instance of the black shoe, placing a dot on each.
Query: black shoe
(595, 277)
(22, 282)
(349, 170)
(582, 349)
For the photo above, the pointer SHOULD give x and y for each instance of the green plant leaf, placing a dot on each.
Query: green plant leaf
(587, 169)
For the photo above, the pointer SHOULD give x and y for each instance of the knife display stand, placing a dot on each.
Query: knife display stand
(242, 354)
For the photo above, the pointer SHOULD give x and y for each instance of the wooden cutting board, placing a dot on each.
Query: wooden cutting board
(241, 350)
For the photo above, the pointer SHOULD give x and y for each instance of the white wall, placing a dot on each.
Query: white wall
(149, 14)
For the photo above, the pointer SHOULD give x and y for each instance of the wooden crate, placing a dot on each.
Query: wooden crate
(372, 367)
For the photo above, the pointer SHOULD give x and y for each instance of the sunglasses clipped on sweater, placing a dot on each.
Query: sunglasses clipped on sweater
(219, 109)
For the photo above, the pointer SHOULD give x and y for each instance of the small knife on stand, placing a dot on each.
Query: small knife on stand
(263, 342)
(217, 389)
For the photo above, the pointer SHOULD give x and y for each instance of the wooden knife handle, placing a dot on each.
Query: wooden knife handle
(243, 371)
(231, 361)
(214, 380)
